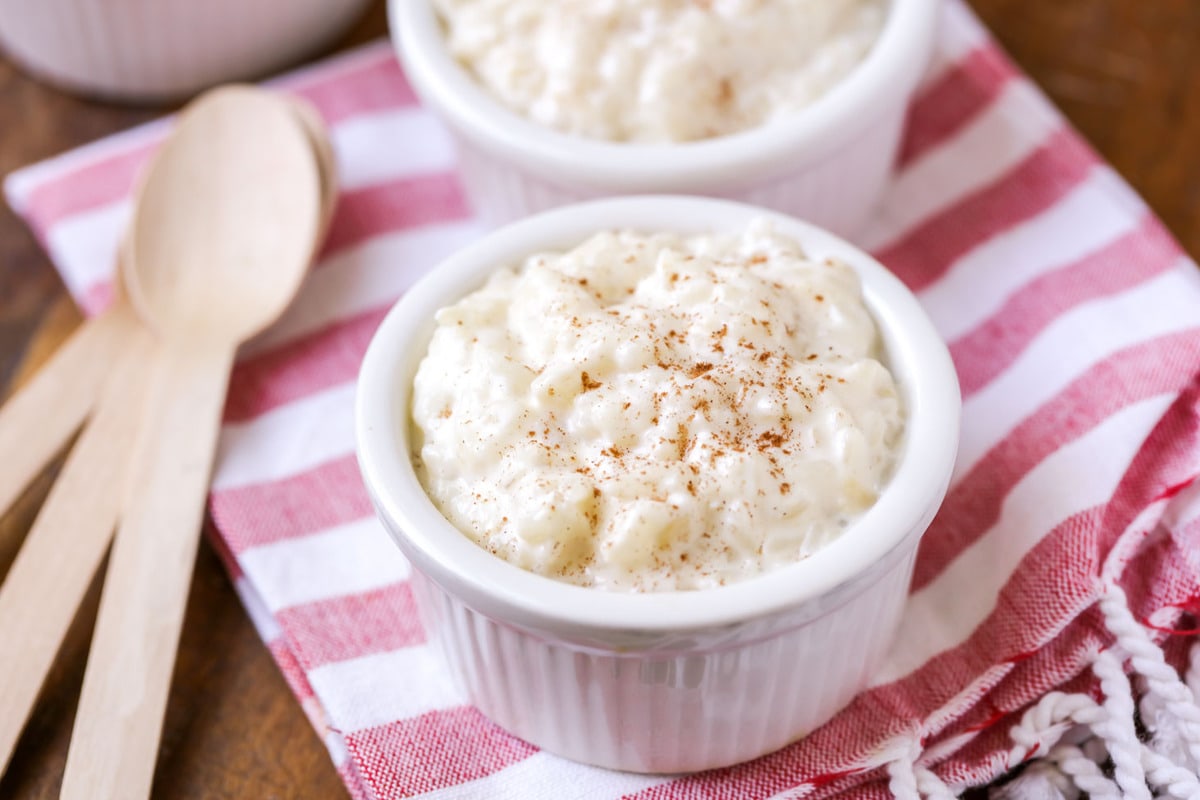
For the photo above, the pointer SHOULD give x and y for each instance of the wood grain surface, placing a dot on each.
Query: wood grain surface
(1125, 72)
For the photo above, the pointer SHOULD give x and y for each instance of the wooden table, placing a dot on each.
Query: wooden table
(1126, 72)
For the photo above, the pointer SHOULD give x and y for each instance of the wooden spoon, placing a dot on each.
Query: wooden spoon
(68, 540)
(318, 137)
(227, 223)
(102, 371)
(39, 418)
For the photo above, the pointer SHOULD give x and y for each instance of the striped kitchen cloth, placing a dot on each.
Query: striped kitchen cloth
(1065, 560)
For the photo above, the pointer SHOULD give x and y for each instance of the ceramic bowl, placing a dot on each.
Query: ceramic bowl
(160, 50)
(669, 681)
(828, 163)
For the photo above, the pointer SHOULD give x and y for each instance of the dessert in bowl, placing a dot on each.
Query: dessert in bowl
(796, 105)
(659, 70)
(656, 676)
(657, 412)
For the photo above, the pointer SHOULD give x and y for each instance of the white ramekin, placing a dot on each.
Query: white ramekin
(675, 681)
(828, 163)
(155, 50)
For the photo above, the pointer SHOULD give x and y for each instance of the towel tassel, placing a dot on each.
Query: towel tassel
(1093, 747)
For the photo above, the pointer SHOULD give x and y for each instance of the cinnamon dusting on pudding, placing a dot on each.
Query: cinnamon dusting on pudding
(692, 419)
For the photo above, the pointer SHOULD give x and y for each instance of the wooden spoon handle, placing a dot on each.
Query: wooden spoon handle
(117, 727)
(51, 573)
(39, 419)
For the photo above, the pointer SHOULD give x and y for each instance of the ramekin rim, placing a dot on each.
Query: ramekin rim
(496, 587)
(894, 65)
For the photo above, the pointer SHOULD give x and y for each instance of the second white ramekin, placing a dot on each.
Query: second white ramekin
(674, 681)
(828, 163)
(155, 50)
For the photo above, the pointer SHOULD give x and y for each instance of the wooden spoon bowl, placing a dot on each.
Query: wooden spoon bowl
(227, 218)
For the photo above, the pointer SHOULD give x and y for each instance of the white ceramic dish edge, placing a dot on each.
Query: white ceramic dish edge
(582, 672)
(156, 50)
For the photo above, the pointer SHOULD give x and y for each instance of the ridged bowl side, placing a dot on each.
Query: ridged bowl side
(837, 193)
(677, 712)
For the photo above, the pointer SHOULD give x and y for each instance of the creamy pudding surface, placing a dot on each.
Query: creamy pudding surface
(659, 70)
(654, 412)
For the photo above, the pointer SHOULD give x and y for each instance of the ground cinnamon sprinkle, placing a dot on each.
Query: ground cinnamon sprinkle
(770, 439)
(668, 436)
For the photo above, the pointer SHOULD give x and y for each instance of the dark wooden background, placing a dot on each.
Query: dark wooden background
(1126, 72)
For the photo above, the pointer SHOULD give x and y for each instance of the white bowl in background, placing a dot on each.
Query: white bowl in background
(672, 681)
(158, 50)
(827, 163)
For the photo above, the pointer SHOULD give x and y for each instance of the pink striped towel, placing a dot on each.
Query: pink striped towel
(1064, 559)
